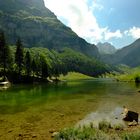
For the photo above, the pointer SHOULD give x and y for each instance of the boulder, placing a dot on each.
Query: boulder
(131, 116)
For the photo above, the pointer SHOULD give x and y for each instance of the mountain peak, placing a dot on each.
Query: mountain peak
(128, 55)
(106, 48)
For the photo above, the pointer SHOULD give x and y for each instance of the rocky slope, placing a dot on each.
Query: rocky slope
(38, 26)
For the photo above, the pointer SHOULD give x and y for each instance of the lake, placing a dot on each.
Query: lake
(34, 111)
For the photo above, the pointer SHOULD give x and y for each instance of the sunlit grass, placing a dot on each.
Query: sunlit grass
(129, 74)
(75, 76)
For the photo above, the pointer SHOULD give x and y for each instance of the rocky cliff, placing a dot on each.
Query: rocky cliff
(37, 26)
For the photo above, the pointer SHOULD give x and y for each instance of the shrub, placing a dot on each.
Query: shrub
(104, 126)
(118, 127)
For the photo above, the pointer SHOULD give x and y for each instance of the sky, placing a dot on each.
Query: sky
(113, 21)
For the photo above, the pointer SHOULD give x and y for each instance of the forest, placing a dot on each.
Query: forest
(24, 65)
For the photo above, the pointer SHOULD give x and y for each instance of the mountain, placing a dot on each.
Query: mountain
(129, 55)
(37, 26)
(106, 48)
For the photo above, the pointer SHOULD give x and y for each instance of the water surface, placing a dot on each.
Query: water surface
(34, 111)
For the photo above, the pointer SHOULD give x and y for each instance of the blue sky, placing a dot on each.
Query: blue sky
(114, 21)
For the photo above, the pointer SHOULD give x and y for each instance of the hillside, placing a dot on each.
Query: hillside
(38, 27)
(106, 48)
(128, 55)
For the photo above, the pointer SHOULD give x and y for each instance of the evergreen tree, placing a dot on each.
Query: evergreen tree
(44, 68)
(28, 63)
(56, 65)
(33, 67)
(37, 60)
(19, 56)
(4, 54)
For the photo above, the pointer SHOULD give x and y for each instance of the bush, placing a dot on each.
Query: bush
(118, 127)
(104, 126)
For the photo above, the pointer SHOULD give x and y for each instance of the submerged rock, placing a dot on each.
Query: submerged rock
(10, 131)
(34, 135)
(62, 115)
(52, 131)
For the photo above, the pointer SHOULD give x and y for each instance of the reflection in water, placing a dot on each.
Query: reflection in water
(113, 117)
(20, 98)
(137, 85)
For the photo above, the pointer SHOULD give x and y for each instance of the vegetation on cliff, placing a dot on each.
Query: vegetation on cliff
(27, 64)
(37, 26)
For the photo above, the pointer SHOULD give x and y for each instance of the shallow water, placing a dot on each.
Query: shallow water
(34, 111)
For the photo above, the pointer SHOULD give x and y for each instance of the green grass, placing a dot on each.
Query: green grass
(129, 74)
(85, 133)
(75, 76)
(131, 136)
(103, 132)
(104, 126)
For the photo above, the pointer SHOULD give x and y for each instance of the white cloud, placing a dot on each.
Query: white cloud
(134, 32)
(116, 34)
(80, 17)
(96, 6)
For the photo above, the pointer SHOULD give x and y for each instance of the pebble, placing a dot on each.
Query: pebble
(34, 136)
(20, 135)
(52, 131)
(62, 115)
(54, 134)
(10, 131)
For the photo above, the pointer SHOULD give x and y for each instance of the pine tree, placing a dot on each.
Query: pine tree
(19, 56)
(4, 54)
(44, 68)
(28, 63)
(33, 67)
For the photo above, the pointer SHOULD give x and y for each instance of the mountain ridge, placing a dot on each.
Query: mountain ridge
(128, 55)
(37, 26)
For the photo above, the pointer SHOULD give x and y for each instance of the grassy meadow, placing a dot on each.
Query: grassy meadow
(74, 76)
(127, 74)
